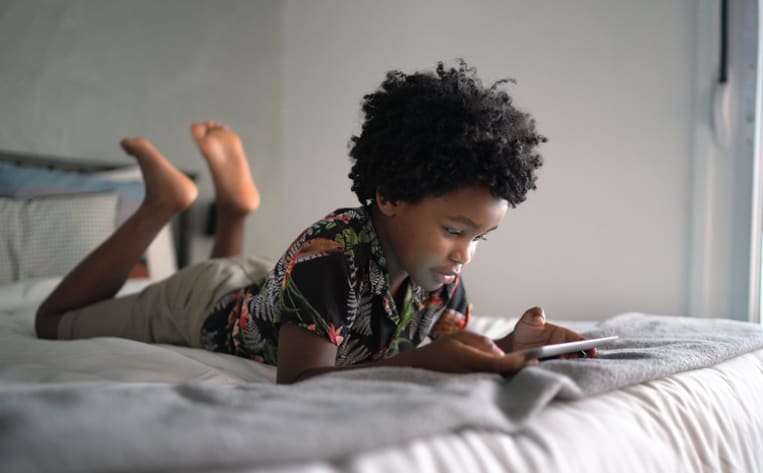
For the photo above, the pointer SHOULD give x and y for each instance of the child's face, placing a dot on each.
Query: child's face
(432, 239)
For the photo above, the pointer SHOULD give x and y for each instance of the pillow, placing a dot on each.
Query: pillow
(128, 183)
(27, 181)
(24, 181)
(48, 236)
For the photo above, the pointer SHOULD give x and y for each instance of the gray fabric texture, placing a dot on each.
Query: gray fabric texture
(140, 427)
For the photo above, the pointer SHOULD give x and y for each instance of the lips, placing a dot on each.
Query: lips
(445, 277)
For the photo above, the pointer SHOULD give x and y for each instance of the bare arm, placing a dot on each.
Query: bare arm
(303, 354)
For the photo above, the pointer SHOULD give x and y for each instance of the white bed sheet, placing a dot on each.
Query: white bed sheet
(709, 419)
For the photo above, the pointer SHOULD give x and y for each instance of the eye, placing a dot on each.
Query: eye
(450, 231)
(480, 238)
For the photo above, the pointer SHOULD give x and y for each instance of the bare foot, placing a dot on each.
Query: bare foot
(235, 190)
(167, 189)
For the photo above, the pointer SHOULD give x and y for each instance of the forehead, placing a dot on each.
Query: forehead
(470, 205)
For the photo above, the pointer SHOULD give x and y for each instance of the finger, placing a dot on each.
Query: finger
(512, 363)
(496, 350)
(558, 334)
(480, 342)
(508, 363)
(590, 353)
(533, 316)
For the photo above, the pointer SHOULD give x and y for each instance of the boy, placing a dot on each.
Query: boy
(438, 162)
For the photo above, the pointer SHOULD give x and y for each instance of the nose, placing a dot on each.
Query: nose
(463, 254)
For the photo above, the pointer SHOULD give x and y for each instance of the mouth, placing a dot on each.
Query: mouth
(445, 277)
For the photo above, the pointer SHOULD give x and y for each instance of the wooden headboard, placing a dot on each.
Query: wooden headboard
(182, 225)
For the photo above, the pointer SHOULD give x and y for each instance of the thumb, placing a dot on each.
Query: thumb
(534, 316)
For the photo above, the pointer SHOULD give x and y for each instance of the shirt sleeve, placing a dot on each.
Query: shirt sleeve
(317, 293)
(455, 316)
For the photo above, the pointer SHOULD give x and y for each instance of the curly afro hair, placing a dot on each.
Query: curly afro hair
(427, 134)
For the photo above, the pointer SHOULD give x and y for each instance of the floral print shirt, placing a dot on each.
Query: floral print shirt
(333, 281)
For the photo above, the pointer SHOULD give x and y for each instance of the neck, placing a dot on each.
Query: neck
(396, 273)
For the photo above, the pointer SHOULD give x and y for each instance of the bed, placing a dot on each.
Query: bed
(671, 394)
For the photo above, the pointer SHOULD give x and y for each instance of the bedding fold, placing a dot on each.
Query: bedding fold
(99, 426)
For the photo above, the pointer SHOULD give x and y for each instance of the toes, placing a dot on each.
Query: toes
(214, 126)
(202, 129)
(198, 130)
(134, 145)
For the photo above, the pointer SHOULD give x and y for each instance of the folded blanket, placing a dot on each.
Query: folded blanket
(203, 426)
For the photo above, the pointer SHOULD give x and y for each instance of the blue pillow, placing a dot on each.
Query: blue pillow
(21, 181)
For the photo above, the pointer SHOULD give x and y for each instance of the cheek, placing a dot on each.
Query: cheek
(426, 246)
(436, 246)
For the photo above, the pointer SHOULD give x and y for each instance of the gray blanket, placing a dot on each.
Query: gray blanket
(200, 426)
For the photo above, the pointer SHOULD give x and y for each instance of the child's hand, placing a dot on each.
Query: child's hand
(465, 352)
(532, 331)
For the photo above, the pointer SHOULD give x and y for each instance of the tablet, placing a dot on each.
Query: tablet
(551, 351)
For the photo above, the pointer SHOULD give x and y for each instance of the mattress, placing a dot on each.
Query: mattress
(707, 419)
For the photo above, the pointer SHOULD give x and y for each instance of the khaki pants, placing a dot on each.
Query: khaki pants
(170, 311)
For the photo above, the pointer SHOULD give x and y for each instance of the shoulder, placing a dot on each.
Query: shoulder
(338, 222)
(346, 229)
(338, 233)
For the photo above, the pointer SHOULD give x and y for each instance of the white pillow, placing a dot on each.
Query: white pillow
(48, 236)
(8, 260)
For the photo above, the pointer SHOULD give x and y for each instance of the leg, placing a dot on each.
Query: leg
(236, 194)
(103, 272)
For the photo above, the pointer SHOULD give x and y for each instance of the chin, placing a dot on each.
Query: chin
(429, 285)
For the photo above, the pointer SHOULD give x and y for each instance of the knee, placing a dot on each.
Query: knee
(46, 324)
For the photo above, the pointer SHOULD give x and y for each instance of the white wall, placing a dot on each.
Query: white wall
(621, 89)
(610, 85)
(78, 75)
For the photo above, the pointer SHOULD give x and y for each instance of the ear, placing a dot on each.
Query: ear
(386, 207)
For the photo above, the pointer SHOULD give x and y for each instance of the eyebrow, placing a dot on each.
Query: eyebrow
(468, 222)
